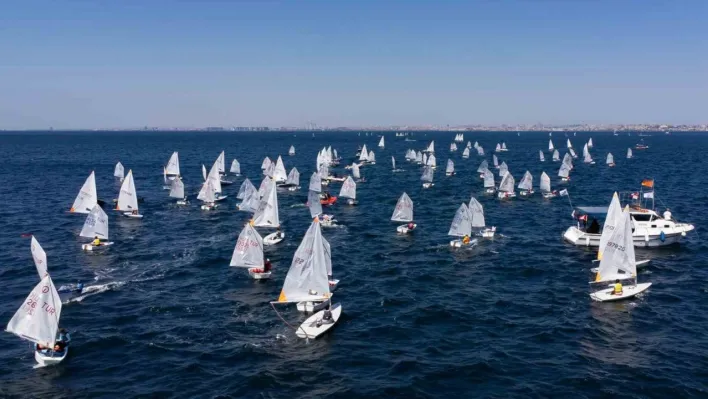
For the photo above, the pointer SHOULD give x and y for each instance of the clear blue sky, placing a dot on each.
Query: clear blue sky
(127, 63)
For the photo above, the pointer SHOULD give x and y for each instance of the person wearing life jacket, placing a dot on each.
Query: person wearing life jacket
(96, 241)
(466, 239)
(267, 266)
(411, 226)
(617, 290)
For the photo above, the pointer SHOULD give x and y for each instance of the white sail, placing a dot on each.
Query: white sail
(466, 153)
(629, 153)
(96, 224)
(315, 182)
(119, 171)
(372, 157)
(251, 199)
(613, 220)
(291, 151)
(313, 203)
(586, 155)
(431, 147)
(348, 189)
(293, 177)
(618, 253)
(507, 183)
(541, 156)
(215, 178)
(263, 187)
(550, 145)
(450, 168)
(307, 278)
(480, 151)
(498, 149)
(503, 169)
(235, 167)
(172, 167)
(393, 163)
(204, 172)
(477, 213)
(556, 155)
(569, 144)
(495, 161)
(37, 320)
(419, 157)
(403, 212)
(355, 171)
(177, 189)
(545, 185)
(266, 163)
(221, 163)
(427, 174)
(245, 186)
(425, 159)
(488, 179)
(590, 142)
(526, 182)
(504, 146)
(483, 166)
(267, 213)
(381, 142)
(462, 222)
(248, 251)
(87, 197)
(572, 152)
(610, 159)
(40, 258)
(128, 197)
(568, 160)
(364, 155)
(207, 193)
(279, 173)
(432, 161)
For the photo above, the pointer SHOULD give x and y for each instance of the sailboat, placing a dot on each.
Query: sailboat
(495, 161)
(526, 185)
(363, 155)
(215, 177)
(267, 215)
(480, 151)
(478, 221)
(618, 262)
(292, 183)
(119, 171)
(427, 177)
(431, 148)
(403, 212)
(461, 227)
(235, 168)
(498, 148)
(503, 169)
(545, 186)
(489, 185)
(204, 172)
(503, 146)
(207, 194)
(629, 153)
(569, 144)
(128, 198)
(37, 321)
(280, 176)
(349, 191)
(177, 191)
(540, 156)
(221, 169)
(466, 153)
(506, 187)
(381, 142)
(610, 161)
(586, 156)
(551, 148)
(248, 253)
(556, 156)
(453, 147)
(87, 197)
(572, 153)
(450, 168)
(393, 166)
(95, 226)
(291, 151)
(266, 164)
(590, 143)
(308, 281)
(483, 167)
(172, 167)
(564, 172)
(250, 199)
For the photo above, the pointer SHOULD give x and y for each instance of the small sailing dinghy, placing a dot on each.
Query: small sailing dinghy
(618, 262)
(556, 156)
(267, 214)
(128, 198)
(526, 185)
(590, 143)
(483, 167)
(172, 168)
(461, 227)
(450, 168)
(37, 321)
(96, 228)
(427, 177)
(393, 166)
(248, 253)
(495, 161)
(250, 199)
(215, 177)
(403, 212)
(315, 206)
(280, 176)
(119, 171)
(87, 197)
(629, 153)
(207, 195)
(545, 187)
(292, 183)
(489, 184)
(506, 187)
(307, 281)
(381, 142)
(503, 169)
(235, 168)
(586, 156)
(478, 222)
(466, 153)
(291, 151)
(221, 168)
(177, 191)
(610, 161)
(348, 191)
(551, 148)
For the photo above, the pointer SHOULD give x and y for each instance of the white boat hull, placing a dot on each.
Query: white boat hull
(273, 238)
(181, 202)
(132, 216)
(309, 307)
(460, 244)
(50, 358)
(488, 232)
(91, 247)
(580, 238)
(631, 291)
(428, 185)
(502, 195)
(313, 327)
(403, 229)
(258, 275)
(206, 207)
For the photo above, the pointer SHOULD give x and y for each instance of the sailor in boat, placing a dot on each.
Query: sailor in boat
(466, 239)
(326, 318)
(267, 267)
(411, 226)
(667, 214)
(96, 241)
(134, 212)
(59, 345)
(279, 234)
(617, 290)
(594, 227)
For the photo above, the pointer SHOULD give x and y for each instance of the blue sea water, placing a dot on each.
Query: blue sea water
(510, 318)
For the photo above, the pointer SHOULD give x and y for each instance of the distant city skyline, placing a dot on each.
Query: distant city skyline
(193, 64)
